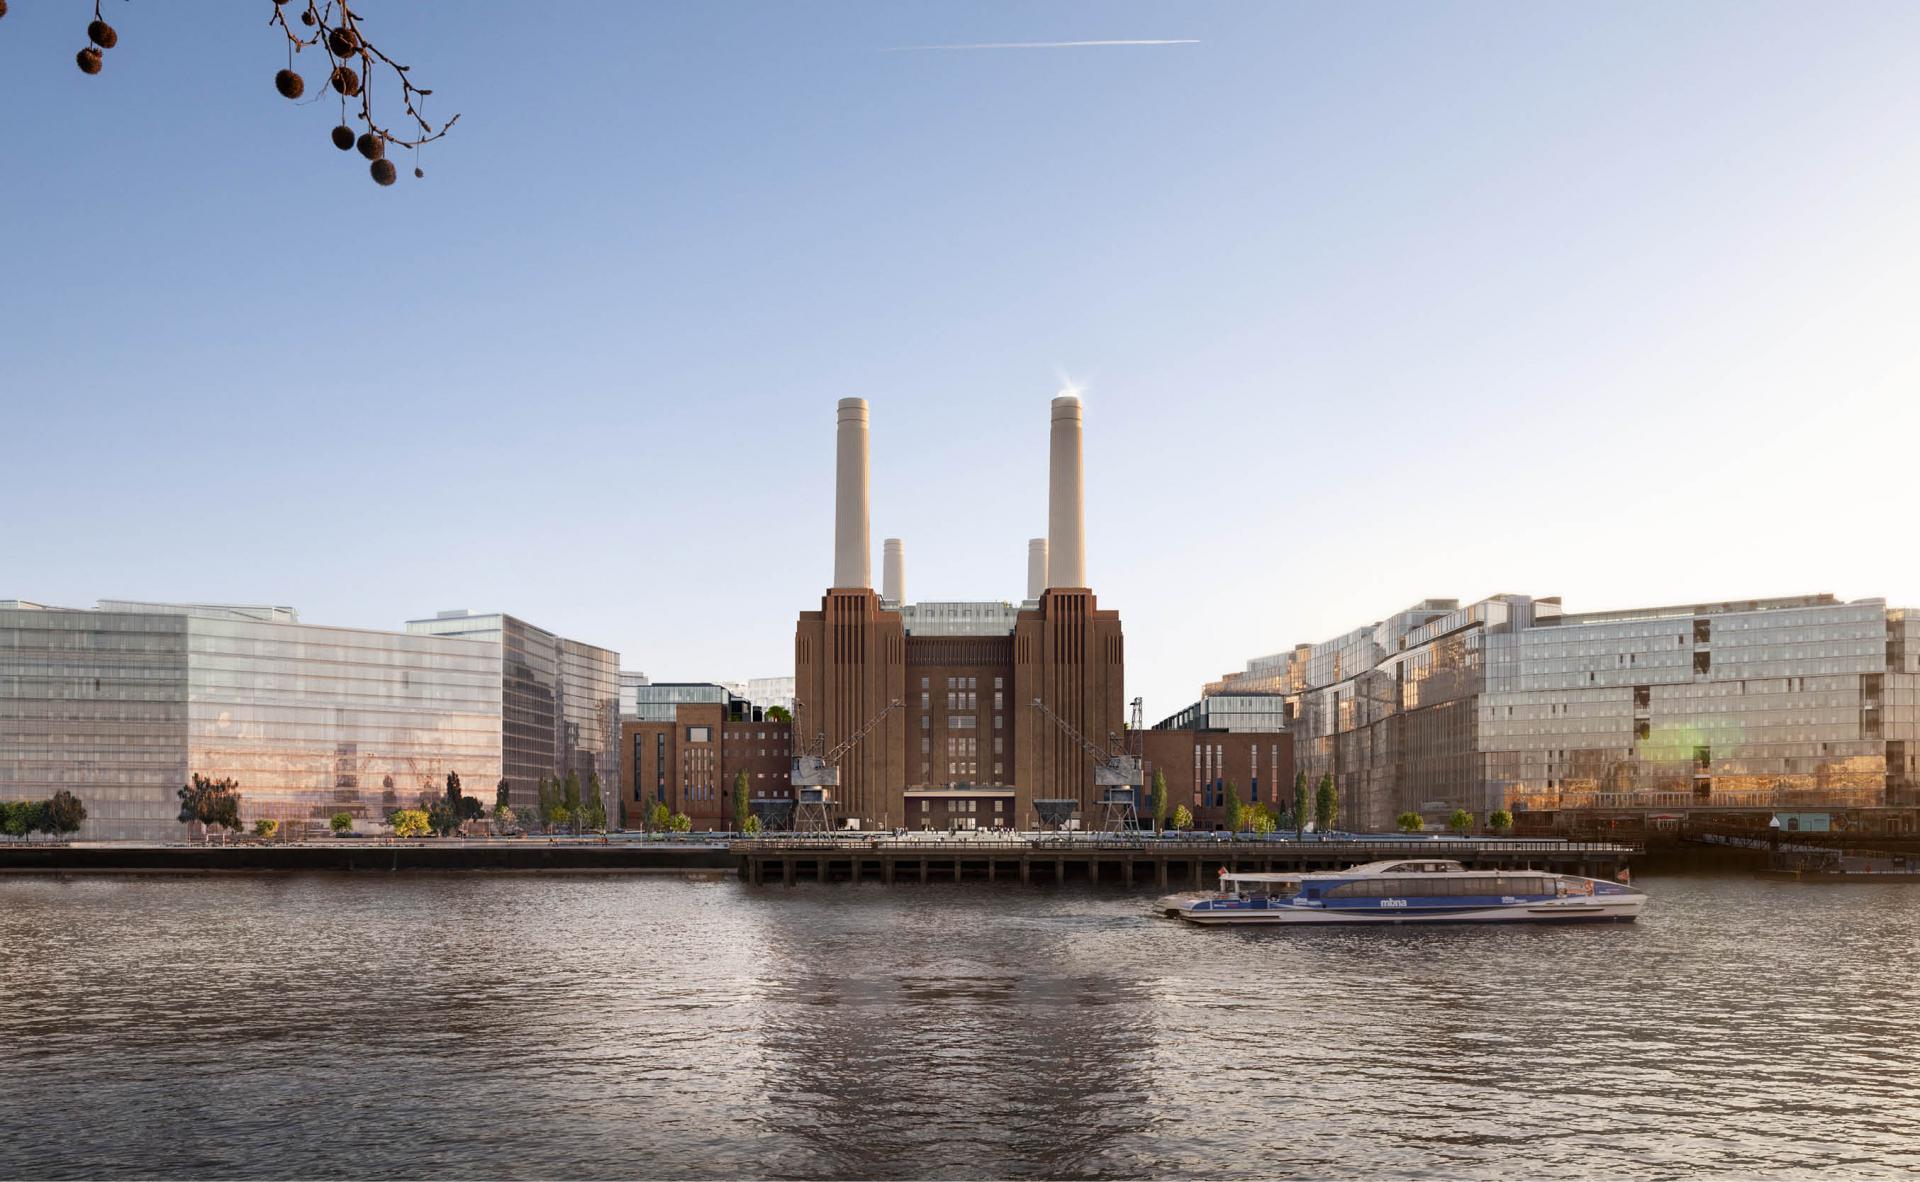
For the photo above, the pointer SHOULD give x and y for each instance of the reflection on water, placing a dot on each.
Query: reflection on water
(516, 1027)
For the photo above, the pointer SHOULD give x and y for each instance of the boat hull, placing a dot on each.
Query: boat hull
(1617, 909)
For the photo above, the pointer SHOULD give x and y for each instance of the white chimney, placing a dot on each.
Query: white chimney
(852, 544)
(1036, 568)
(893, 572)
(1066, 507)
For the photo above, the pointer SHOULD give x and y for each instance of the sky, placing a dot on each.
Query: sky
(1368, 303)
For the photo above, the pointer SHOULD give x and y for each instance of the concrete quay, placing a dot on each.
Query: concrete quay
(1126, 861)
(456, 855)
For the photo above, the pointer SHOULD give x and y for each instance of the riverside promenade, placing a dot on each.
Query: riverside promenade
(1129, 860)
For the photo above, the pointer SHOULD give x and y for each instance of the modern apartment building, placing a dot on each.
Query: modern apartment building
(1514, 703)
(559, 700)
(122, 703)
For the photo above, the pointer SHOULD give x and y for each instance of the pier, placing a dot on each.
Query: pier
(1130, 862)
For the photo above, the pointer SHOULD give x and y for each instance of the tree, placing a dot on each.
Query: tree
(1299, 802)
(680, 823)
(1410, 822)
(64, 813)
(210, 802)
(1182, 818)
(779, 714)
(1460, 820)
(1261, 820)
(549, 801)
(752, 827)
(341, 824)
(659, 819)
(503, 817)
(1500, 821)
(16, 817)
(333, 27)
(1158, 799)
(594, 808)
(1236, 812)
(740, 810)
(562, 817)
(570, 798)
(1326, 804)
(502, 794)
(409, 823)
(266, 827)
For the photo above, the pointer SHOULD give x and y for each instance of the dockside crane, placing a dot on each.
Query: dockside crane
(1116, 773)
(816, 774)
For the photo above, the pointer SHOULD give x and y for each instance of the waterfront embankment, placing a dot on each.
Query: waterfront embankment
(443, 856)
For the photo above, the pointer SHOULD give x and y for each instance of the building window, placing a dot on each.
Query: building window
(699, 734)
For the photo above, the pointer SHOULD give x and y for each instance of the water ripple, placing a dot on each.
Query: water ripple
(580, 1027)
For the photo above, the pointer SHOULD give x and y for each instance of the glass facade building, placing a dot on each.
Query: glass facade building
(123, 703)
(559, 702)
(1513, 703)
(1261, 713)
(658, 701)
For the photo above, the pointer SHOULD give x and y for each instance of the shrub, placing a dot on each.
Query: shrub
(1410, 822)
(409, 823)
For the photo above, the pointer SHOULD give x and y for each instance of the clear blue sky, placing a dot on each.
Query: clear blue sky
(1371, 301)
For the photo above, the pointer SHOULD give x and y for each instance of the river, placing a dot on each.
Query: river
(523, 1027)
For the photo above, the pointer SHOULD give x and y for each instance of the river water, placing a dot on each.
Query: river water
(450, 1026)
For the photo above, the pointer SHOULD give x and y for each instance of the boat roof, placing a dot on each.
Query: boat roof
(1387, 866)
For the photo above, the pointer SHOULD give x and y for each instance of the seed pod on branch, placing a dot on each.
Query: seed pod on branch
(343, 42)
(88, 60)
(382, 171)
(3, 7)
(101, 33)
(345, 81)
(308, 19)
(371, 146)
(290, 84)
(343, 138)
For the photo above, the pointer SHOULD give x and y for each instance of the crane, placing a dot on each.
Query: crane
(1115, 770)
(815, 777)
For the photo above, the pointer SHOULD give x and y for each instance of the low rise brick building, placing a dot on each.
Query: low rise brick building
(689, 763)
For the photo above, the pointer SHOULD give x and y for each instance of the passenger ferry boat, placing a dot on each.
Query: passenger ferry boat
(1419, 891)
